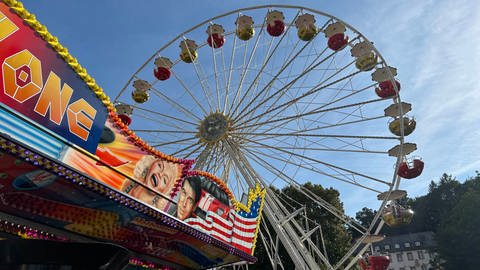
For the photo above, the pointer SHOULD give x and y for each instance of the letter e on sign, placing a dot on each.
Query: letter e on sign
(80, 112)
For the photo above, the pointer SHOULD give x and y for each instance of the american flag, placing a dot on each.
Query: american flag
(237, 230)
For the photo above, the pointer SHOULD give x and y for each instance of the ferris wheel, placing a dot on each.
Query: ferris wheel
(280, 96)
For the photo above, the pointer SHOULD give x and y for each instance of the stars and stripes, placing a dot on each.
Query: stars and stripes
(238, 229)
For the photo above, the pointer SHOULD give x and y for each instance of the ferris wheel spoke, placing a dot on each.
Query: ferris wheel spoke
(312, 112)
(303, 73)
(264, 64)
(198, 144)
(268, 86)
(317, 199)
(283, 143)
(162, 123)
(163, 131)
(240, 186)
(184, 86)
(343, 87)
(294, 100)
(303, 157)
(278, 97)
(350, 114)
(228, 81)
(202, 79)
(309, 113)
(214, 159)
(162, 115)
(335, 110)
(177, 141)
(264, 92)
(209, 160)
(316, 135)
(311, 100)
(215, 72)
(308, 93)
(245, 69)
(324, 204)
(175, 104)
(217, 159)
(266, 89)
(225, 80)
(325, 149)
(201, 159)
(277, 157)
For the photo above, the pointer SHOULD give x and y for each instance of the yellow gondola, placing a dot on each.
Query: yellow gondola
(409, 125)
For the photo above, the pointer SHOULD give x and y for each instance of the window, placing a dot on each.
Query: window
(424, 267)
(387, 247)
(397, 246)
(420, 254)
(407, 244)
(377, 248)
(399, 257)
(410, 256)
(417, 243)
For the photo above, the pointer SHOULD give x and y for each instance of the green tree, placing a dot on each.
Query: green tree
(364, 217)
(430, 208)
(458, 237)
(336, 237)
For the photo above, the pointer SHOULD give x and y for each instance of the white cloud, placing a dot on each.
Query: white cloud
(434, 45)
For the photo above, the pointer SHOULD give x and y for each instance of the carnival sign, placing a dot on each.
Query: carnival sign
(39, 84)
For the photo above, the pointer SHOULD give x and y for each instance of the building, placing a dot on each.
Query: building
(407, 251)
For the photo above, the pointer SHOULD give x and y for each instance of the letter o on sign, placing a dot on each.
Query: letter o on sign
(22, 76)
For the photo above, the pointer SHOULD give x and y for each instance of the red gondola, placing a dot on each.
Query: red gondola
(337, 40)
(216, 37)
(275, 23)
(410, 170)
(385, 89)
(375, 263)
(162, 69)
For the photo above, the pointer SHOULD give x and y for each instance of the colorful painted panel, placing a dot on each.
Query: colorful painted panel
(215, 215)
(39, 84)
(36, 188)
(199, 199)
(123, 165)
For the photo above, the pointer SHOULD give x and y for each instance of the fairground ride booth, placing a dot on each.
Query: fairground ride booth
(78, 188)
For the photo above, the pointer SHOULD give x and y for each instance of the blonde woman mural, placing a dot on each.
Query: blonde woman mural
(157, 174)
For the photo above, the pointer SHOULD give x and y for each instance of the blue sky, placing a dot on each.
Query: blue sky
(433, 44)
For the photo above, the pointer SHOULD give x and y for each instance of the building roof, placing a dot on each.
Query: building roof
(406, 242)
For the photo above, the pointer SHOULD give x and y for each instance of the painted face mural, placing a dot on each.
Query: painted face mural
(188, 198)
(156, 176)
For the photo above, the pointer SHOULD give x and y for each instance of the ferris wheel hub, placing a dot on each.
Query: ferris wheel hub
(214, 127)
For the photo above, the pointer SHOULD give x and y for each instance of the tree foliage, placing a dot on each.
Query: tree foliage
(457, 236)
(451, 210)
(336, 238)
